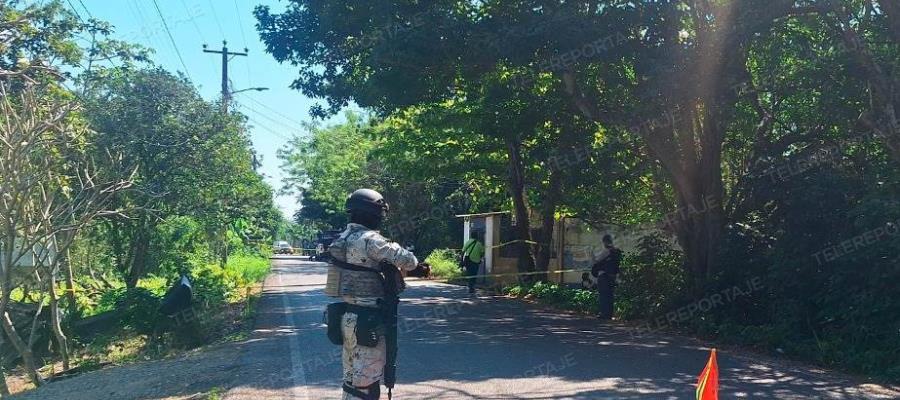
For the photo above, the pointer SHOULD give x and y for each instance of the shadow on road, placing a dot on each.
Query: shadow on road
(453, 347)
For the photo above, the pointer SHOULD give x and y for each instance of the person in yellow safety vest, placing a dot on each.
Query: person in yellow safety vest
(472, 253)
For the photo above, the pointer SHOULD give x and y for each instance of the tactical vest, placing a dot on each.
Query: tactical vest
(345, 282)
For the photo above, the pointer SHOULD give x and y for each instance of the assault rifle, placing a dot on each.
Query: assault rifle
(393, 285)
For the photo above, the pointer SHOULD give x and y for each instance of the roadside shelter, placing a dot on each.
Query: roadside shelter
(575, 244)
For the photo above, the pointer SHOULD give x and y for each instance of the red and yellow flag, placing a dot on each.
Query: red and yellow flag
(708, 383)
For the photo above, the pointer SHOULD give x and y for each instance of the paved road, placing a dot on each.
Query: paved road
(453, 346)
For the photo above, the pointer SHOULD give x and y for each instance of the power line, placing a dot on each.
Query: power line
(266, 116)
(75, 10)
(270, 130)
(193, 21)
(286, 127)
(91, 16)
(276, 128)
(216, 16)
(240, 23)
(174, 45)
(237, 9)
(261, 104)
(139, 17)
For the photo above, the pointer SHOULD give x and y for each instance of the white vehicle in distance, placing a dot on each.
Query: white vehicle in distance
(283, 247)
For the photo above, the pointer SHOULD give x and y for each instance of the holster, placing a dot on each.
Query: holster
(368, 324)
(334, 312)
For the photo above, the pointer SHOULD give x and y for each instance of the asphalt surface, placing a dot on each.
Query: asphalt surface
(457, 346)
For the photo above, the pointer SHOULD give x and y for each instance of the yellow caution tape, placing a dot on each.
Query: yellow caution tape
(498, 275)
(514, 241)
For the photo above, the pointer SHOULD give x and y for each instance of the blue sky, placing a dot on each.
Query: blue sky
(275, 115)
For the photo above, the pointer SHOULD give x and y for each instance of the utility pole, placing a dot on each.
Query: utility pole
(226, 93)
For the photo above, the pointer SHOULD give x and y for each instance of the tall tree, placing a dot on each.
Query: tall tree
(666, 71)
(191, 159)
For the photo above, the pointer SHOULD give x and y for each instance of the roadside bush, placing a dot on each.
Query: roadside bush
(158, 285)
(651, 281)
(552, 294)
(138, 306)
(444, 264)
(250, 268)
(213, 288)
(214, 284)
(829, 284)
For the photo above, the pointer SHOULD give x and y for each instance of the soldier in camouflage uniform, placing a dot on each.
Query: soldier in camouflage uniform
(361, 245)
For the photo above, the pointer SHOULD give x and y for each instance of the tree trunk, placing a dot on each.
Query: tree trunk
(520, 205)
(4, 388)
(66, 263)
(548, 220)
(224, 259)
(119, 253)
(698, 226)
(56, 326)
(140, 246)
(34, 323)
(23, 350)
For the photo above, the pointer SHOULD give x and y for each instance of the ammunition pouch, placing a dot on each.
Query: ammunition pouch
(334, 312)
(368, 324)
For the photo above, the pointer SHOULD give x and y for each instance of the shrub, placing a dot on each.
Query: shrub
(139, 307)
(157, 285)
(651, 281)
(552, 294)
(838, 311)
(250, 268)
(444, 263)
(214, 284)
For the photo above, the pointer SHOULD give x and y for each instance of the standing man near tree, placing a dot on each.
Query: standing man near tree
(472, 253)
(606, 269)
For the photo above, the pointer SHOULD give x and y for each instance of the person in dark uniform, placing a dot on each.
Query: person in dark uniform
(606, 269)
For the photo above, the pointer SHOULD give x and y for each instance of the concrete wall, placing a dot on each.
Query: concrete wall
(29, 258)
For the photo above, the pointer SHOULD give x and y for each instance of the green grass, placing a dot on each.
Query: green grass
(251, 269)
(444, 264)
(215, 394)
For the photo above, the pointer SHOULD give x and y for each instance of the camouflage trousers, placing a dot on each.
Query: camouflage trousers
(363, 365)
